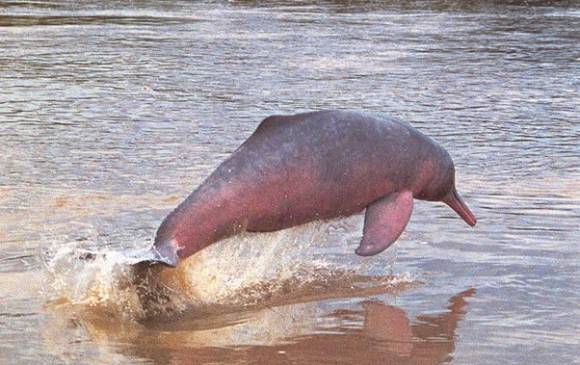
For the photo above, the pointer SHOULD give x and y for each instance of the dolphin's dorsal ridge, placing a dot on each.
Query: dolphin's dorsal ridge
(385, 220)
(270, 123)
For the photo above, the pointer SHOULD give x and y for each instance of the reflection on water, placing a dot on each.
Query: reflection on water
(362, 332)
(112, 111)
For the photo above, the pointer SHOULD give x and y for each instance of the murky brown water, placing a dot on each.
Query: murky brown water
(111, 112)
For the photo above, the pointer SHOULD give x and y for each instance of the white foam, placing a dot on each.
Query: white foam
(245, 270)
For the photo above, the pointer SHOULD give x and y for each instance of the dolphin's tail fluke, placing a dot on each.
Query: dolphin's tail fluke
(136, 257)
(456, 203)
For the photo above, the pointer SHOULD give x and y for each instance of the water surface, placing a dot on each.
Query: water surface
(111, 112)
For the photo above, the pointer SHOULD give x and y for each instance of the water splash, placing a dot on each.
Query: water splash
(244, 271)
(104, 284)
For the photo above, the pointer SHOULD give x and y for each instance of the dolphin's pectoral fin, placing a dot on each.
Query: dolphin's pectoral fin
(385, 220)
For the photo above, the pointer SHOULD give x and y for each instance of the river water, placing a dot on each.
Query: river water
(111, 112)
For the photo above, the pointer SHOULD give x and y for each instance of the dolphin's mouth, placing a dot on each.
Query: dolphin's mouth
(453, 199)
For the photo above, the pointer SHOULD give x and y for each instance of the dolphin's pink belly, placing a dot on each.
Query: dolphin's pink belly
(301, 196)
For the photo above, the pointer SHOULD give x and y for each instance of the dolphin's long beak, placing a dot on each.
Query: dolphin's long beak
(456, 203)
